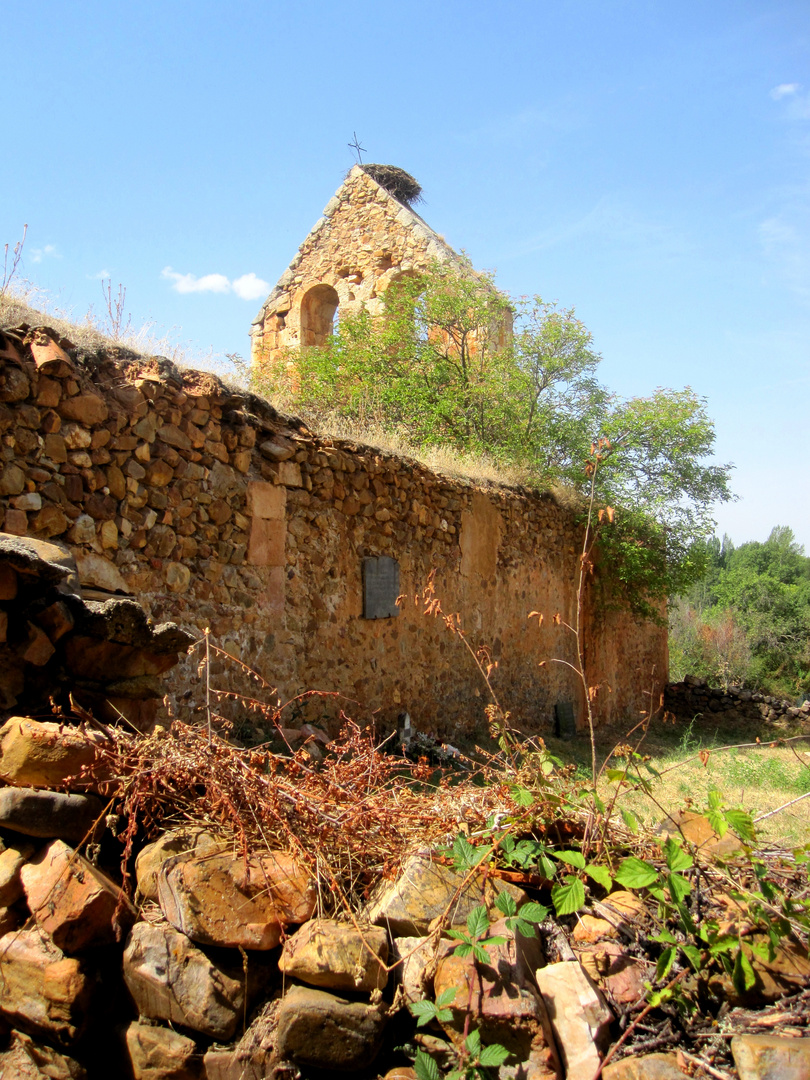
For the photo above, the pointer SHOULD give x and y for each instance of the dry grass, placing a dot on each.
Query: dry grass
(758, 778)
(25, 302)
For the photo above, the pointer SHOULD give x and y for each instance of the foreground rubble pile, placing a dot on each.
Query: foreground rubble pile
(233, 962)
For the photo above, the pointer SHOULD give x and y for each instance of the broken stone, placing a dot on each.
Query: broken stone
(621, 975)
(416, 954)
(26, 1060)
(171, 979)
(158, 1053)
(425, 890)
(578, 1014)
(501, 999)
(771, 1057)
(645, 1067)
(50, 561)
(48, 814)
(152, 857)
(37, 648)
(786, 973)
(327, 1032)
(12, 860)
(42, 754)
(335, 955)
(100, 573)
(41, 989)
(72, 901)
(221, 900)
(695, 829)
(589, 929)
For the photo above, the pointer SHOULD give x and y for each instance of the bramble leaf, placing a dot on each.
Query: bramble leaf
(665, 962)
(635, 873)
(493, 1056)
(630, 820)
(505, 903)
(678, 887)
(573, 858)
(425, 1067)
(676, 857)
(600, 874)
(478, 921)
(569, 897)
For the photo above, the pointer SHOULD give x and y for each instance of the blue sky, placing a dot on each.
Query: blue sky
(646, 162)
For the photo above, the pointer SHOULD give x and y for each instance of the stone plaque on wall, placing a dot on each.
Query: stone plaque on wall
(380, 587)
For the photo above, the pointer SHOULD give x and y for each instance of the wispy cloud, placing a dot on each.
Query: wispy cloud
(48, 252)
(102, 275)
(615, 222)
(785, 90)
(246, 287)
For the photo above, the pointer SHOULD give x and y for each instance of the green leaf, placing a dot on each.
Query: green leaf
(473, 1042)
(630, 820)
(458, 935)
(464, 949)
(601, 875)
(446, 997)
(505, 903)
(665, 962)
(425, 1067)
(718, 822)
(481, 954)
(466, 856)
(425, 1011)
(742, 824)
(534, 912)
(614, 776)
(676, 857)
(478, 921)
(493, 1056)
(678, 887)
(569, 897)
(546, 867)
(573, 858)
(520, 926)
(694, 956)
(743, 976)
(715, 799)
(635, 873)
(522, 796)
(600, 806)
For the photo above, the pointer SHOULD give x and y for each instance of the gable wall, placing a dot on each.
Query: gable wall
(216, 512)
(364, 240)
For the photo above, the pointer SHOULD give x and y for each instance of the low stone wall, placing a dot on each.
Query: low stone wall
(694, 696)
(216, 512)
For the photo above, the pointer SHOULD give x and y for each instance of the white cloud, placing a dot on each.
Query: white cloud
(102, 275)
(246, 287)
(47, 252)
(785, 90)
(250, 287)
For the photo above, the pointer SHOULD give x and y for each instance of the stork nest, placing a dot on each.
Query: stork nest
(396, 182)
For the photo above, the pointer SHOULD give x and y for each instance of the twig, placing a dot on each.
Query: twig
(704, 1065)
(784, 806)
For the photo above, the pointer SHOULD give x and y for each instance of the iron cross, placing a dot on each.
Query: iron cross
(358, 149)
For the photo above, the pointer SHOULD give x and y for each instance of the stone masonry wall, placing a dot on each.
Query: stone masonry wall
(215, 511)
(364, 241)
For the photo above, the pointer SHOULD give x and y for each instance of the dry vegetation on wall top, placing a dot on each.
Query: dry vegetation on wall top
(396, 181)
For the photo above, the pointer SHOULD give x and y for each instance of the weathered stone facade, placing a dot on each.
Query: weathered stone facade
(215, 511)
(365, 240)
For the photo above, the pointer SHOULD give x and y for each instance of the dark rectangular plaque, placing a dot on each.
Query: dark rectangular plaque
(380, 587)
(565, 726)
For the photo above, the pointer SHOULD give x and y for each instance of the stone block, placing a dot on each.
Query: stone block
(427, 889)
(100, 573)
(234, 1063)
(771, 1057)
(44, 754)
(48, 814)
(42, 990)
(223, 900)
(8, 582)
(158, 1053)
(153, 856)
(170, 979)
(84, 409)
(266, 545)
(327, 1032)
(289, 474)
(267, 501)
(578, 1014)
(72, 901)
(336, 956)
(26, 1060)
(416, 953)
(645, 1067)
(622, 975)
(12, 859)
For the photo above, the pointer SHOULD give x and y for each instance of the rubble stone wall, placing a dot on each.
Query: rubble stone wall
(216, 512)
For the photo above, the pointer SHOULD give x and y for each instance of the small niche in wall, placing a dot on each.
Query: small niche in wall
(380, 587)
(565, 725)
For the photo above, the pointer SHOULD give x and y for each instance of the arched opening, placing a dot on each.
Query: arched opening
(318, 314)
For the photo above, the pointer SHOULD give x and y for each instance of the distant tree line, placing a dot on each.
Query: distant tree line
(747, 622)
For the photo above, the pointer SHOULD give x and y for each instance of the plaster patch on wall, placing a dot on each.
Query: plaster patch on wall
(480, 537)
